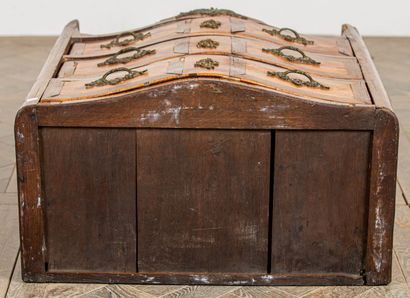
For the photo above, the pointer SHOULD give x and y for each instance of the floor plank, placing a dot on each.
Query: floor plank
(199, 291)
(250, 292)
(158, 290)
(8, 198)
(18, 288)
(400, 198)
(403, 171)
(12, 184)
(9, 244)
(5, 174)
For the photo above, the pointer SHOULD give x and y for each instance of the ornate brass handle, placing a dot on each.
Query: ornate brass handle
(104, 81)
(297, 38)
(212, 24)
(117, 43)
(279, 52)
(115, 60)
(207, 44)
(212, 12)
(298, 82)
(207, 63)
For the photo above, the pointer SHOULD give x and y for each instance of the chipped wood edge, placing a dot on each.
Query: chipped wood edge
(52, 63)
(383, 174)
(370, 73)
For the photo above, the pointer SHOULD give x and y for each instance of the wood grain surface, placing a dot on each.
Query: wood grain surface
(89, 187)
(90, 45)
(320, 201)
(203, 200)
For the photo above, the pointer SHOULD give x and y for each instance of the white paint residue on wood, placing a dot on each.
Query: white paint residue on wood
(267, 277)
(175, 112)
(247, 232)
(20, 137)
(200, 278)
(193, 86)
(378, 236)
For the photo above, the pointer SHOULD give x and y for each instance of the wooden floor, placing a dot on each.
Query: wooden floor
(21, 61)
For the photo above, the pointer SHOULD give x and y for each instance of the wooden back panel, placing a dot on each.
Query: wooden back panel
(89, 191)
(321, 193)
(203, 200)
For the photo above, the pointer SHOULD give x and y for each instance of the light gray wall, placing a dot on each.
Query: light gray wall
(48, 17)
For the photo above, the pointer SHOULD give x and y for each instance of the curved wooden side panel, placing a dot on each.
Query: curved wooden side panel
(32, 237)
(372, 77)
(383, 175)
(52, 63)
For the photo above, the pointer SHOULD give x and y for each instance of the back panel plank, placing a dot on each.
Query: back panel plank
(320, 201)
(203, 200)
(89, 185)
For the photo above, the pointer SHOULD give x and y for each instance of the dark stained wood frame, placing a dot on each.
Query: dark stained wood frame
(237, 107)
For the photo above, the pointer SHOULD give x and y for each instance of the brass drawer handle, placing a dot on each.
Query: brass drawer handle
(296, 38)
(298, 82)
(207, 44)
(212, 12)
(304, 59)
(212, 24)
(104, 81)
(117, 43)
(207, 63)
(115, 60)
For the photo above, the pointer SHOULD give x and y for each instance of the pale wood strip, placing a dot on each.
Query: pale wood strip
(397, 270)
(298, 291)
(18, 288)
(402, 240)
(393, 290)
(12, 185)
(403, 170)
(340, 292)
(200, 292)
(400, 199)
(259, 292)
(51, 65)
(70, 290)
(376, 88)
(5, 174)
(8, 199)
(158, 290)
(118, 291)
(9, 244)
(402, 226)
(397, 288)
